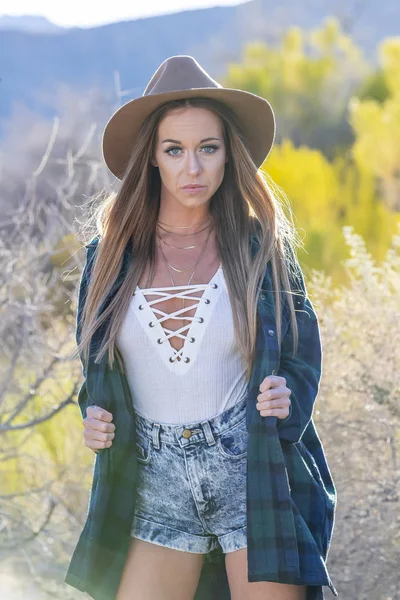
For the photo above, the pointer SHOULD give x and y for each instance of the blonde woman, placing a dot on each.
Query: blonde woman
(202, 359)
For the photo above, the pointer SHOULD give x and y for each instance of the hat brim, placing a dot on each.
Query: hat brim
(254, 114)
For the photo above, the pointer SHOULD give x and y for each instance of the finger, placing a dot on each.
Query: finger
(277, 392)
(92, 434)
(278, 403)
(96, 424)
(271, 381)
(281, 413)
(98, 445)
(97, 412)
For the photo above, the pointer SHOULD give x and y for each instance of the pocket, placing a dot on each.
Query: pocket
(143, 448)
(233, 443)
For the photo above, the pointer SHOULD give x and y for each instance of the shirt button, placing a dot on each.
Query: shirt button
(274, 372)
(271, 332)
(263, 296)
(186, 433)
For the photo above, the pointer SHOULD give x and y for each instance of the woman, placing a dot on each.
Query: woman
(208, 384)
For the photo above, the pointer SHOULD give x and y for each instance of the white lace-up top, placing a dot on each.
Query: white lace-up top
(202, 379)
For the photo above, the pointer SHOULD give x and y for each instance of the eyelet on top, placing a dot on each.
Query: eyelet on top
(151, 324)
(201, 319)
(186, 359)
(171, 359)
(160, 341)
(215, 285)
(192, 339)
(141, 307)
(207, 301)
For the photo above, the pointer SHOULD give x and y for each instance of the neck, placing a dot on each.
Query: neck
(183, 220)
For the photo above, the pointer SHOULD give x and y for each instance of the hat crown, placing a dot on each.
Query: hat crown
(179, 72)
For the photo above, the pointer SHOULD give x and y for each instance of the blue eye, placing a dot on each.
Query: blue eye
(213, 146)
(172, 148)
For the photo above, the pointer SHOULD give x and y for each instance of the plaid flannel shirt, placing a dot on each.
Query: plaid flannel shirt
(291, 497)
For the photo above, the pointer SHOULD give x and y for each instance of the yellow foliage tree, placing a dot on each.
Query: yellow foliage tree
(303, 79)
(326, 195)
(377, 128)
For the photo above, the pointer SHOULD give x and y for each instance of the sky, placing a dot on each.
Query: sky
(86, 13)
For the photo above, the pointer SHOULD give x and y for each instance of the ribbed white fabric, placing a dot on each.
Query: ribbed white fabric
(210, 375)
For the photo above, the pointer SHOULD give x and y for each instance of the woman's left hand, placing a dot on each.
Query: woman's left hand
(274, 401)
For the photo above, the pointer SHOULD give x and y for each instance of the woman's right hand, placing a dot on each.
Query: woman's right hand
(98, 428)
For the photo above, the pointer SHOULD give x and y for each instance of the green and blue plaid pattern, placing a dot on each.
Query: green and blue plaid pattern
(291, 497)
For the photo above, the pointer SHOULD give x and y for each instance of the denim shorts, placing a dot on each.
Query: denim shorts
(191, 486)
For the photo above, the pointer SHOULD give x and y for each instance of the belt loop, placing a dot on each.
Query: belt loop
(155, 435)
(208, 433)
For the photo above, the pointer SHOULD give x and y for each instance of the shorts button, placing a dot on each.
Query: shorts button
(186, 433)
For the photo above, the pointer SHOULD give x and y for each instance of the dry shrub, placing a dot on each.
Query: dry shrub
(358, 416)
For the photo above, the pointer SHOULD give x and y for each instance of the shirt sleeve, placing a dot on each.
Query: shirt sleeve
(303, 371)
(82, 293)
(83, 399)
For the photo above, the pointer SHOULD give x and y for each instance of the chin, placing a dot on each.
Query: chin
(199, 198)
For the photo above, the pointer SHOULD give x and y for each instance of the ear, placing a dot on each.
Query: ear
(154, 162)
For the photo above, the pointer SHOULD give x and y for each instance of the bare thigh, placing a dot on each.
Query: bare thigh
(153, 572)
(242, 589)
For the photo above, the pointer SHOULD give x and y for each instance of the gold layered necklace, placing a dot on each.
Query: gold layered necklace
(183, 235)
(176, 269)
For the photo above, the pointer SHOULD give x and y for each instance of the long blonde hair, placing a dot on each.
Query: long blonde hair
(244, 205)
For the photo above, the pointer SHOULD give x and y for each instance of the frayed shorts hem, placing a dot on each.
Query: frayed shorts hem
(163, 535)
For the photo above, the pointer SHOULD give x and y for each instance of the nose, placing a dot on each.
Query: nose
(193, 163)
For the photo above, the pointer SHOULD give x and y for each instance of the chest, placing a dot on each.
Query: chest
(207, 329)
(174, 311)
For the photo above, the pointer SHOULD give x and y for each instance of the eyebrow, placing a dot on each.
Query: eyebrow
(201, 141)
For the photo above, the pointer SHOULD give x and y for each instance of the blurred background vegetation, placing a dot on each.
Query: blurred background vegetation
(337, 161)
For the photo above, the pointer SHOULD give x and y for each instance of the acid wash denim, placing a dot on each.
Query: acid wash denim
(191, 492)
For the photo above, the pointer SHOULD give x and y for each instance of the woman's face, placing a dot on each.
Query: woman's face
(190, 149)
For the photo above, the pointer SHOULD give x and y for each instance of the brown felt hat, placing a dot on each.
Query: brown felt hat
(182, 77)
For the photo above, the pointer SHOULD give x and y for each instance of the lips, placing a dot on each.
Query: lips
(193, 187)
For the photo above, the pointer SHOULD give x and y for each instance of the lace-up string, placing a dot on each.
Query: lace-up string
(178, 314)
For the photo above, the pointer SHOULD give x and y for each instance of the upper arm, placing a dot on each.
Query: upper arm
(83, 288)
(303, 306)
